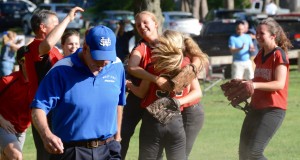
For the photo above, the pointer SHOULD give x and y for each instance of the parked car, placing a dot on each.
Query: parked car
(257, 8)
(11, 13)
(31, 6)
(183, 22)
(291, 24)
(213, 41)
(61, 10)
(219, 14)
(111, 18)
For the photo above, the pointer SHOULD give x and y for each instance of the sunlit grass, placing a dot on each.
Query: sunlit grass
(219, 138)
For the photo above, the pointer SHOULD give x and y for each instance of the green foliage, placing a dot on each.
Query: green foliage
(239, 4)
(114, 4)
(167, 5)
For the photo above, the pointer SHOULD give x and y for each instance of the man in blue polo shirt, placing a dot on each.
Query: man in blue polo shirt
(241, 45)
(86, 94)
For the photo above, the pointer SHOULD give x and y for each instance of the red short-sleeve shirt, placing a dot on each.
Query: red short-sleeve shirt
(31, 58)
(14, 100)
(264, 72)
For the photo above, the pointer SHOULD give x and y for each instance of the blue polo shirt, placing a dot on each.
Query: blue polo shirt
(237, 41)
(83, 106)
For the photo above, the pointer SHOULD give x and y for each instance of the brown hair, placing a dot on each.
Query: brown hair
(39, 17)
(275, 29)
(67, 34)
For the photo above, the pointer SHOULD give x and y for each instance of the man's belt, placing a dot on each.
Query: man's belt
(88, 144)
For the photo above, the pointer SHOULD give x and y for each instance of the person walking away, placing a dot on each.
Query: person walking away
(15, 115)
(240, 45)
(8, 51)
(87, 127)
(43, 54)
(70, 42)
(269, 101)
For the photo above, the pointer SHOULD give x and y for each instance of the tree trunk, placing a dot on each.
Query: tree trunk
(203, 10)
(185, 6)
(196, 8)
(229, 4)
(264, 6)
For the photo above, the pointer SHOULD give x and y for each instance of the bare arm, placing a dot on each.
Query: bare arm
(277, 84)
(194, 93)
(135, 70)
(14, 46)
(235, 50)
(52, 143)
(55, 35)
(139, 91)
(119, 123)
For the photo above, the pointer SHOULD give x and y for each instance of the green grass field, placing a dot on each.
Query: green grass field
(219, 138)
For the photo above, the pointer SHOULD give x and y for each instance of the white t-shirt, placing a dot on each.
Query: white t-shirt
(271, 8)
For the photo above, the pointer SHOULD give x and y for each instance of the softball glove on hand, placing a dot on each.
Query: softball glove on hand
(164, 109)
(237, 91)
(184, 77)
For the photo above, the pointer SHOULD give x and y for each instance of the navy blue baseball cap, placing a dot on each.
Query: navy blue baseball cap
(102, 43)
(252, 31)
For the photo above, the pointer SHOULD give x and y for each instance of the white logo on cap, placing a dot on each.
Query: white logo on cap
(105, 42)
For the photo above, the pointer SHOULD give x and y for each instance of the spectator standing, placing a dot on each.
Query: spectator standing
(15, 115)
(271, 8)
(252, 34)
(43, 54)
(87, 127)
(254, 52)
(241, 45)
(269, 101)
(70, 42)
(123, 38)
(8, 51)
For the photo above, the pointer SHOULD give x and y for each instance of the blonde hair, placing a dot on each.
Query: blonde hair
(167, 54)
(172, 46)
(153, 17)
(150, 14)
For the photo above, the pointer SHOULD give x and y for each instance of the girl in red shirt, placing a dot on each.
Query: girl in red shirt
(147, 26)
(168, 58)
(15, 114)
(270, 83)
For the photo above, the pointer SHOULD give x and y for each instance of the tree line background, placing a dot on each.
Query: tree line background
(199, 8)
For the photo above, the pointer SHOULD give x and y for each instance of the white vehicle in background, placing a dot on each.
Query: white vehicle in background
(256, 7)
(61, 10)
(183, 22)
(30, 6)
